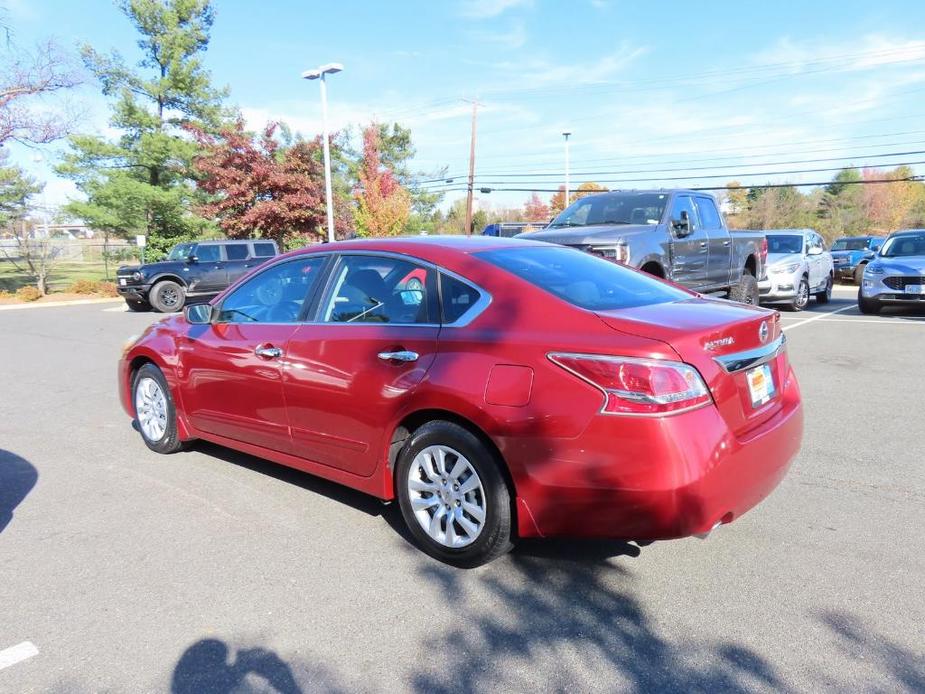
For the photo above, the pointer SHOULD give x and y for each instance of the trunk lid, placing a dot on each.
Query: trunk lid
(702, 332)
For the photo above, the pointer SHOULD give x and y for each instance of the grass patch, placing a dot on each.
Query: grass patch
(63, 275)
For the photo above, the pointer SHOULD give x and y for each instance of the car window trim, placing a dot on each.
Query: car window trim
(311, 297)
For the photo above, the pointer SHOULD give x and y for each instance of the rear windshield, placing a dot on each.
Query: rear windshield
(582, 279)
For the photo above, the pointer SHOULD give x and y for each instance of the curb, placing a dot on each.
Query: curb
(54, 304)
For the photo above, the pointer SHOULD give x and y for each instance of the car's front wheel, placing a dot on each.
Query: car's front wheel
(859, 274)
(802, 296)
(453, 496)
(167, 296)
(155, 413)
(870, 307)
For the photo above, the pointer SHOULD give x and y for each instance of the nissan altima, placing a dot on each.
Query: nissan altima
(497, 389)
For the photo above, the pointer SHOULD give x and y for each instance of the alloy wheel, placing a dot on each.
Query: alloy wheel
(151, 409)
(447, 496)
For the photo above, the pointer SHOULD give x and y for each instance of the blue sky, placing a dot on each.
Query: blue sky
(654, 93)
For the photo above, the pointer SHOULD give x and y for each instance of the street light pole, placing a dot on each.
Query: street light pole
(319, 74)
(566, 135)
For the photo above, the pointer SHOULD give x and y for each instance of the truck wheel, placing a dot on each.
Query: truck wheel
(870, 307)
(746, 291)
(167, 296)
(825, 295)
(859, 274)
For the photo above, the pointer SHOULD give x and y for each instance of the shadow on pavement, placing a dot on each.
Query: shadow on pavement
(208, 667)
(17, 478)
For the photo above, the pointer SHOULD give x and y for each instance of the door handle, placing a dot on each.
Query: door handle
(401, 355)
(727, 243)
(703, 244)
(268, 352)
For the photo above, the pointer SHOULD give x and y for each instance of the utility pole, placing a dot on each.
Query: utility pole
(566, 136)
(471, 170)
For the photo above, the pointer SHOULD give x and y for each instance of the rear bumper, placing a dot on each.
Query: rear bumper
(679, 476)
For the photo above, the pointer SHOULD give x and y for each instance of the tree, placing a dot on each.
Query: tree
(257, 186)
(840, 210)
(535, 210)
(383, 205)
(25, 78)
(32, 257)
(737, 197)
(557, 202)
(585, 189)
(887, 205)
(141, 182)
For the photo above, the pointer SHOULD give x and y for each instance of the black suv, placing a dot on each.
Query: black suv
(196, 269)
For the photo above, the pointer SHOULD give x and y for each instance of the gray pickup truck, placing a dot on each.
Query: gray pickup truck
(676, 234)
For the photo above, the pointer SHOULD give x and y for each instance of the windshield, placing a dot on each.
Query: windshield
(850, 245)
(180, 251)
(785, 243)
(583, 279)
(903, 246)
(613, 208)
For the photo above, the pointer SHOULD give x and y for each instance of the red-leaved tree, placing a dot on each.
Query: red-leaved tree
(259, 188)
(535, 210)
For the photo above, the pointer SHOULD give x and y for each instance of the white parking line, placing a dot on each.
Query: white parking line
(819, 316)
(885, 321)
(117, 309)
(17, 654)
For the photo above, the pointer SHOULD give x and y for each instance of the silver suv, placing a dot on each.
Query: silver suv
(896, 275)
(798, 267)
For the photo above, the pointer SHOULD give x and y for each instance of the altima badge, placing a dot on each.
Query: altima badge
(713, 345)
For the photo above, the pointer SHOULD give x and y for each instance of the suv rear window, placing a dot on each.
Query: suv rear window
(583, 279)
(236, 251)
(264, 250)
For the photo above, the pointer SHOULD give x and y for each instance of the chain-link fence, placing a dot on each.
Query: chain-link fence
(77, 250)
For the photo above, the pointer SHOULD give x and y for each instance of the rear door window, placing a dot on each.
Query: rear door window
(458, 298)
(709, 216)
(236, 251)
(264, 250)
(208, 252)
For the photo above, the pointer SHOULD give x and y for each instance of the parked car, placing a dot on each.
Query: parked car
(508, 229)
(896, 275)
(197, 269)
(851, 254)
(524, 390)
(679, 235)
(798, 267)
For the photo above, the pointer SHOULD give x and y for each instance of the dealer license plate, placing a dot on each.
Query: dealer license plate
(915, 289)
(123, 282)
(760, 384)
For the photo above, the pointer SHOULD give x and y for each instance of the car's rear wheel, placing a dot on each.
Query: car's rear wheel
(867, 306)
(155, 413)
(167, 296)
(137, 305)
(802, 297)
(453, 496)
(746, 291)
(825, 295)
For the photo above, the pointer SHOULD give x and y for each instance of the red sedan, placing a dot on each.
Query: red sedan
(497, 388)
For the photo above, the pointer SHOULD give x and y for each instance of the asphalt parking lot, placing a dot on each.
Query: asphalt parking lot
(212, 571)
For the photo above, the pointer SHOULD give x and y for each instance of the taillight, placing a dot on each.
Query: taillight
(638, 386)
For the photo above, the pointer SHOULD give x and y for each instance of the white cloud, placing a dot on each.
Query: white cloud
(514, 37)
(872, 51)
(485, 9)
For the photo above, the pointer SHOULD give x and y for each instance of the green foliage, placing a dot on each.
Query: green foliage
(15, 190)
(140, 183)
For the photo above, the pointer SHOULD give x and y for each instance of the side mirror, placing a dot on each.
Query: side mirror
(198, 314)
(192, 259)
(682, 227)
(814, 250)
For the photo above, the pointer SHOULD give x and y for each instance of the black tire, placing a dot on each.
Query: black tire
(746, 291)
(170, 441)
(801, 300)
(870, 307)
(495, 537)
(137, 306)
(167, 296)
(825, 296)
(859, 274)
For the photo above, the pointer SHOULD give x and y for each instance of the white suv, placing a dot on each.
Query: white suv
(798, 267)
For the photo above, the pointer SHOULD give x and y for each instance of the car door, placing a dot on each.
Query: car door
(353, 369)
(719, 258)
(815, 259)
(237, 261)
(231, 369)
(207, 273)
(690, 249)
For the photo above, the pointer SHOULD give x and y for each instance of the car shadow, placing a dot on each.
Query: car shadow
(17, 478)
